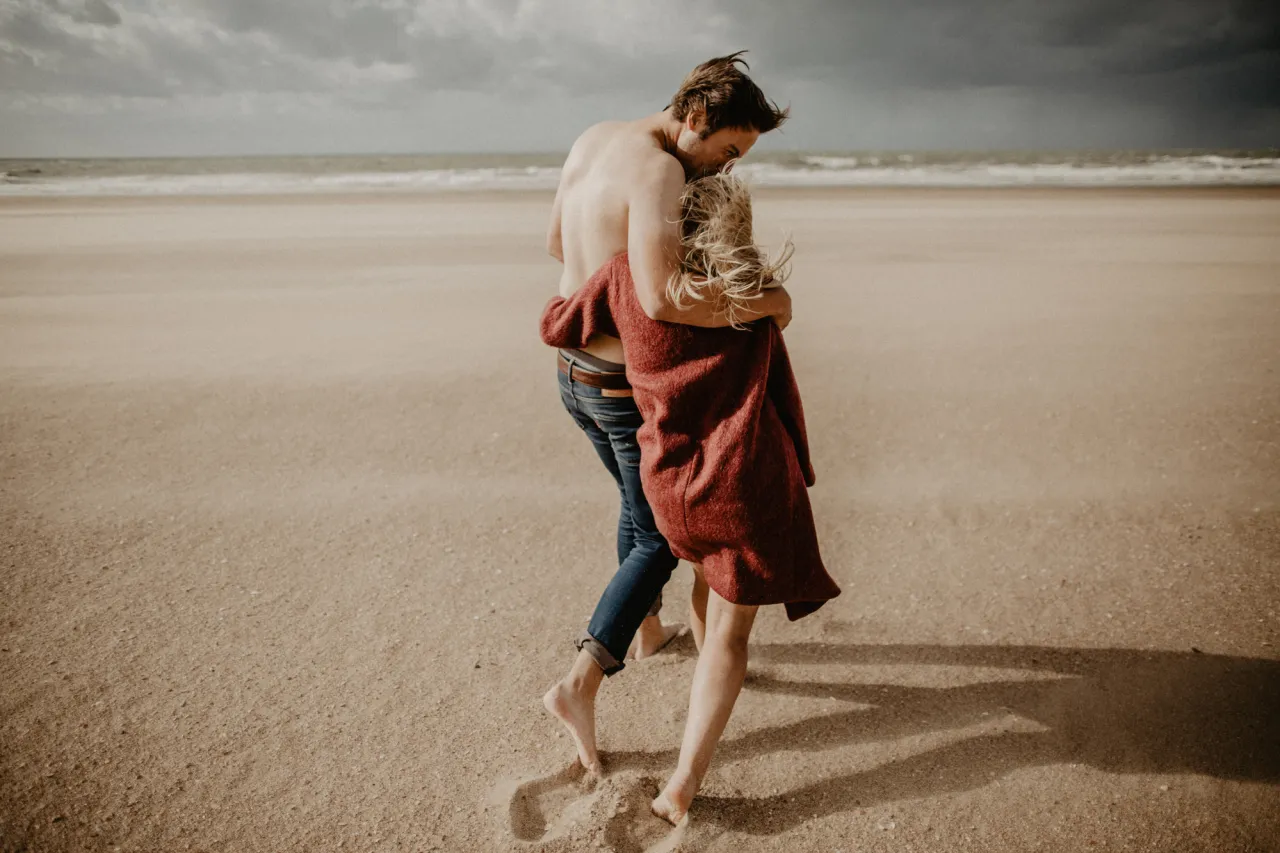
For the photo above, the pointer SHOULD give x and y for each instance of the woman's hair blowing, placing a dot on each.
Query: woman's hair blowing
(722, 264)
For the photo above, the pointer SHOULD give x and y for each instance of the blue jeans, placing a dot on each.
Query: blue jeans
(645, 561)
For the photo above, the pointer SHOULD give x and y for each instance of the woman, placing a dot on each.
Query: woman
(724, 459)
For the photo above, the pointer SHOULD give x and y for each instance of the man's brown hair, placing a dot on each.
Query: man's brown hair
(727, 97)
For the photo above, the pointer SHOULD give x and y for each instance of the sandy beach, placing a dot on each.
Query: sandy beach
(296, 533)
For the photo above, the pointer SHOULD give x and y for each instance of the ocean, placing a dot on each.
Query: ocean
(453, 172)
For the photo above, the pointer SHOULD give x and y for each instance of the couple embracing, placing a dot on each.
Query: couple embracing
(671, 360)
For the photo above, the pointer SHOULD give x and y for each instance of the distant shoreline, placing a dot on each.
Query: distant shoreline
(248, 176)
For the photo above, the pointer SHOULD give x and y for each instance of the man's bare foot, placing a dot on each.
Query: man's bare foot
(674, 801)
(653, 637)
(578, 713)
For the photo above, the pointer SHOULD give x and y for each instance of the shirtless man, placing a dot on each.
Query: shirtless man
(620, 192)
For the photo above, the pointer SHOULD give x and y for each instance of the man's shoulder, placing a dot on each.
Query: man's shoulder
(663, 169)
(628, 150)
(599, 135)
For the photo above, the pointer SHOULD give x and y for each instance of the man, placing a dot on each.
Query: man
(620, 192)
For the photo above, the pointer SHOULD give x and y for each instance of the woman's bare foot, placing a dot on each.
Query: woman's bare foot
(577, 710)
(674, 801)
(653, 637)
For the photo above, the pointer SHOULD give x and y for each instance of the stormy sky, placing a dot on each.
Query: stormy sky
(182, 77)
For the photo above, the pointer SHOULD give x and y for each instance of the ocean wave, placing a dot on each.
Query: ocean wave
(860, 170)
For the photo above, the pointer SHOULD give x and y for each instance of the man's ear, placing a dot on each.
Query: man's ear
(696, 120)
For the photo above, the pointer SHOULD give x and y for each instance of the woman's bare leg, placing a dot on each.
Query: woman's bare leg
(698, 607)
(717, 680)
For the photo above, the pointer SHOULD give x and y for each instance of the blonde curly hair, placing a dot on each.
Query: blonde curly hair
(722, 263)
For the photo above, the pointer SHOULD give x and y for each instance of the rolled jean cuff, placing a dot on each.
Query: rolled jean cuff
(603, 658)
(656, 606)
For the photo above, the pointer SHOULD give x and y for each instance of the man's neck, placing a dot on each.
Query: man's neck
(665, 131)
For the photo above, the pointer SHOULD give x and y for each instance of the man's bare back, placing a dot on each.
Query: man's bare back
(600, 177)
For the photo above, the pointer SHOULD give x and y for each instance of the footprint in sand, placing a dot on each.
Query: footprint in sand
(528, 803)
(568, 811)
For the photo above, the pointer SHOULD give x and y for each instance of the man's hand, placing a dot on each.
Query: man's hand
(774, 303)
(782, 312)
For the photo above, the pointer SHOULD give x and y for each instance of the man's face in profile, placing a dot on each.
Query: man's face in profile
(704, 156)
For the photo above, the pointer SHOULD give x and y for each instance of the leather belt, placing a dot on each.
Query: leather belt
(608, 381)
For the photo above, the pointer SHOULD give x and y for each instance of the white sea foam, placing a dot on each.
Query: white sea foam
(889, 170)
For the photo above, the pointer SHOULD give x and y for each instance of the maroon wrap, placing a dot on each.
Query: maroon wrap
(724, 458)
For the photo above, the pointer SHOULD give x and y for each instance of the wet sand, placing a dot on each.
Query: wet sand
(296, 533)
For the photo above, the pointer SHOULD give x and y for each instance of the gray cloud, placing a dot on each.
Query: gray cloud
(363, 33)
(87, 11)
(918, 73)
(100, 12)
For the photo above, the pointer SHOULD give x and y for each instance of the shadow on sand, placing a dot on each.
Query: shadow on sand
(1120, 711)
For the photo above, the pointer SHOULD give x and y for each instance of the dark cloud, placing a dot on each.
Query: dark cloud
(1138, 39)
(1069, 45)
(1140, 73)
